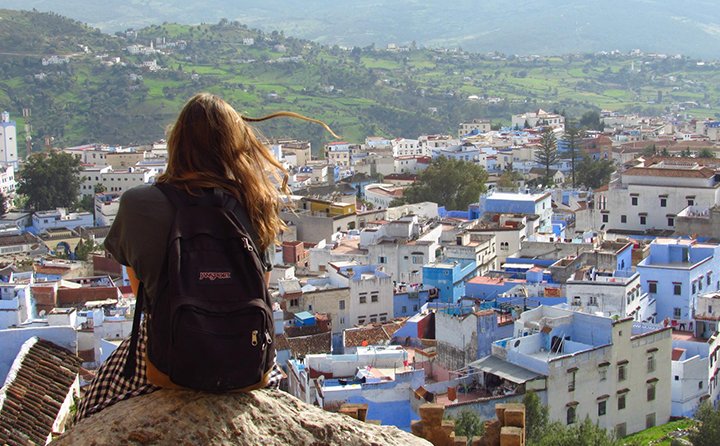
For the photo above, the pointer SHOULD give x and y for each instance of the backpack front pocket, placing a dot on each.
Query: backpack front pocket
(217, 352)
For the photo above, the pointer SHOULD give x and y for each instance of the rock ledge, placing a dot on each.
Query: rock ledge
(263, 417)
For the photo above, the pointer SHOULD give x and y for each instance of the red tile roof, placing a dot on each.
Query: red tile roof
(369, 335)
(310, 345)
(38, 383)
(702, 172)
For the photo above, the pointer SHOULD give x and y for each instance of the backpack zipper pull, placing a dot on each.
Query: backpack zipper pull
(248, 246)
(254, 340)
(268, 338)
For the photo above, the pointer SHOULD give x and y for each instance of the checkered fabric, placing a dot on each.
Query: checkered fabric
(110, 386)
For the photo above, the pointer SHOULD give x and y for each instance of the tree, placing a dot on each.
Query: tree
(594, 173)
(547, 154)
(448, 182)
(648, 151)
(508, 179)
(50, 180)
(469, 424)
(571, 137)
(536, 417)
(3, 204)
(579, 434)
(591, 120)
(708, 430)
(84, 248)
(706, 153)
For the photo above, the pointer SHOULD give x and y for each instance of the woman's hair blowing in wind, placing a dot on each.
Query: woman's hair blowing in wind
(210, 145)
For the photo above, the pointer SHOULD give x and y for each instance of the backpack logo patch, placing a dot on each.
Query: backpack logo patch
(212, 276)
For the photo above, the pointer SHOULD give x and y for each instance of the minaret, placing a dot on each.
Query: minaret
(8, 140)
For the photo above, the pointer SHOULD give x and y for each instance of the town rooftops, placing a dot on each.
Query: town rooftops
(504, 369)
(36, 387)
(517, 197)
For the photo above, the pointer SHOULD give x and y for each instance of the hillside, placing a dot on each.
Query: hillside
(110, 94)
(524, 27)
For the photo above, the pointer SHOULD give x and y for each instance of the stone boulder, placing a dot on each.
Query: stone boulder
(263, 417)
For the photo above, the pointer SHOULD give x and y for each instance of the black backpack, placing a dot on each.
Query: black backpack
(211, 327)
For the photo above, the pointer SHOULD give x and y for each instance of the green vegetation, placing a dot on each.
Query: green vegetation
(448, 182)
(547, 155)
(540, 431)
(708, 428)
(658, 435)
(50, 180)
(469, 424)
(594, 173)
(358, 91)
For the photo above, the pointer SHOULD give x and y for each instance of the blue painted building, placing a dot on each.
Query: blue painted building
(675, 273)
(514, 203)
(408, 303)
(449, 278)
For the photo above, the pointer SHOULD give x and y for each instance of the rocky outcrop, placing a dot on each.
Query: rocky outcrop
(263, 417)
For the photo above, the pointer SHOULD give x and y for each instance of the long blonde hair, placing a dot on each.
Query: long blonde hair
(210, 145)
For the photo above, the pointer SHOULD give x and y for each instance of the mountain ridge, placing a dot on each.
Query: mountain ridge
(545, 27)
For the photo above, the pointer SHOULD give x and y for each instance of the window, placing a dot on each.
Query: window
(571, 415)
(593, 301)
(709, 309)
(404, 309)
(671, 221)
(700, 385)
(294, 302)
(363, 299)
(651, 392)
(709, 279)
(361, 320)
(621, 402)
(374, 297)
(677, 313)
(651, 363)
(373, 318)
(342, 304)
(634, 201)
(605, 218)
(652, 287)
(622, 372)
(677, 289)
(571, 381)
(691, 202)
(603, 373)
(643, 220)
(415, 307)
(694, 288)
(602, 408)
(620, 430)
(649, 420)
(342, 321)
(663, 202)
(623, 219)
(382, 259)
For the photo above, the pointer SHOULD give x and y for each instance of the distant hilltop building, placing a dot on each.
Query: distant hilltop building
(476, 125)
(540, 117)
(8, 140)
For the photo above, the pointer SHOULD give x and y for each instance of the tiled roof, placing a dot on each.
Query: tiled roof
(702, 172)
(310, 345)
(392, 327)
(22, 239)
(38, 383)
(369, 335)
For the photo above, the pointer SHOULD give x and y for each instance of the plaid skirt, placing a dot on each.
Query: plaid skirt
(110, 386)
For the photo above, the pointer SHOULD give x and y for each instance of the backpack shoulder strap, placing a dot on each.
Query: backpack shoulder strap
(130, 363)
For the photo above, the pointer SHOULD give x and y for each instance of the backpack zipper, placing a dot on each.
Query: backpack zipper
(254, 338)
(248, 246)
